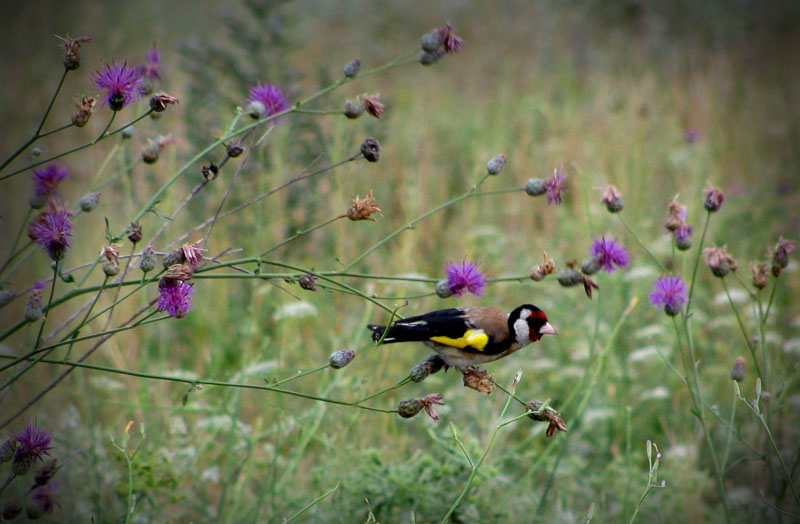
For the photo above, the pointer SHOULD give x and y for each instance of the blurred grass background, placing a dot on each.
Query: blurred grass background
(608, 87)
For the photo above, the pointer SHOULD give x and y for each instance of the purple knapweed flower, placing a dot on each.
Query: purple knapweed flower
(121, 83)
(555, 185)
(52, 230)
(32, 442)
(669, 292)
(266, 100)
(44, 498)
(175, 297)
(691, 135)
(608, 254)
(46, 179)
(465, 277)
(150, 70)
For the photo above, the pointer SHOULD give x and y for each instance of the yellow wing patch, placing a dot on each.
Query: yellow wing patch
(474, 338)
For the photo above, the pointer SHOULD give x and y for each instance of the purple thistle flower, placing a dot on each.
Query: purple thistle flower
(465, 277)
(555, 185)
(691, 135)
(268, 96)
(46, 179)
(44, 497)
(608, 253)
(669, 292)
(122, 85)
(150, 69)
(175, 297)
(684, 232)
(52, 230)
(32, 442)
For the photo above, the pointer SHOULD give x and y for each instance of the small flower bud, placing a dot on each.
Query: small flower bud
(431, 42)
(371, 149)
(6, 297)
(234, 149)
(11, 510)
(496, 165)
(160, 101)
(683, 236)
(22, 464)
(713, 199)
(353, 108)
(174, 257)
(352, 68)
(210, 171)
(341, 358)
(148, 260)
(443, 289)
(612, 199)
(33, 309)
(535, 187)
(89, 202)
(308, 282)
(8, 450)
(759, 270)
(590, 266)
(37, 201)
(46, 473)
(569, 277)
(426, 58)
(420, 372)
(409, 407)
(738, 370)
(672, 309)
(134, 232)
(434, 362)
(36, 152)
(128, 132)
(110, 268)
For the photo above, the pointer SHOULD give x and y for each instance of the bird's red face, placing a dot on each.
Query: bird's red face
(538, 324)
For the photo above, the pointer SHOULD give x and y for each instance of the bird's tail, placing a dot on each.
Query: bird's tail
(399, 333)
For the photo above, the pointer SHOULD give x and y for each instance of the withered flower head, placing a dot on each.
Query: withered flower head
(111, 252)
(85, 108)
(719, 261)
(428, 401)
(180, 272)
(234, 149)
(153, 149)
(547, 414)
(160, 101)
(72, 50)
(782, 250)
(547, 267)
(676, 215)
(362, 209)
(308, 282)
(193, 254)
(738, 370)
(714, 198)
(759, 270)
(612, 199)
(134, 232)
(372, 104)
(210, 171)
(371, 149)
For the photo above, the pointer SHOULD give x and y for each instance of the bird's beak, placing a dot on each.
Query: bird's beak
(547, 329)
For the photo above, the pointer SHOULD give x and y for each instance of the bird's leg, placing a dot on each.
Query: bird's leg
(477, 379)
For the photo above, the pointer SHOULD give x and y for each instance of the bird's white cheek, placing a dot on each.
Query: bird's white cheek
(522, 332)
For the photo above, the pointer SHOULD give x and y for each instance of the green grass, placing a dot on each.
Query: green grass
(544, 86)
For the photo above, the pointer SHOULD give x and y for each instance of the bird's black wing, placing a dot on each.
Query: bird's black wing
(451, 323)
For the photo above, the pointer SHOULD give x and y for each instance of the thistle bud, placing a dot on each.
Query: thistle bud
(434, 362)
(352, 68)
(22, 464)
(111, 268)
(134, 232)
(34, 511)
(781, 252)
(354, 108)
(72, 51)
(174, 257)
(535, 187)
(234, 149)
(612, 199)
(46, 473)
(569, 277)
(683, 236)
(426, 58)
(256, 109)
(759, 270)
(308, 282)
(160, 101)
(676, 215)
(371, 150)
(11, 510)
(8, 450)
(719, 261)
(420, 372)
(590, 266)
(6, 297)
(341, 358)
(497, 164)
(37, 201)
(443, 289)
(33, 309)
(151, 152)
(89, 202)
(409, 407)
(738, 370)
(431, 42)
(148, 260)
(713, 199)
(128, 132)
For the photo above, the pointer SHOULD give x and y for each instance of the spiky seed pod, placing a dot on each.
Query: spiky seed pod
(409, 407)
(352, 68)
(443, 289)
(371, 149)
(341, 358)
(535, 187)
(111, 268)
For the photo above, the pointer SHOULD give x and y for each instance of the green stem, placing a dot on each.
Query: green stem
(744, 332)
(771, 297)
(15, 253)
(299, 234)
(381, 392)
(724, 461)
(644, 248)
(696, 265)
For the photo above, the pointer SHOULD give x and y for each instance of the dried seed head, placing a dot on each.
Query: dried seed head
(160, 101)
(193, 254)
(85, 108)
(409, 407)
(210, 171)
(354, 108)
(535, 187)
(714, 198)
(363, 209)
(719, 261)
(547, 414)
(72, 50)
(589, 285)
(181, 272)
(175, 257)
(341, 358)
(547, 267)
(781, 252)
(33, 308)
(371, 149)
(89, 202)
(308, 282)
(676, 215)
(134, 232)
(612, 199)
(428, 401)
(443, 289)
(372, 104)
(738, 370)
(352, 68)
(234, 149)
(759, 270)
(148, 260)
(497, 164)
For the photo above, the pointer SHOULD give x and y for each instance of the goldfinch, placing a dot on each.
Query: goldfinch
(469, 336)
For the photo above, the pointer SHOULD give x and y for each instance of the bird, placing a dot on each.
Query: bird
(466, 337)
